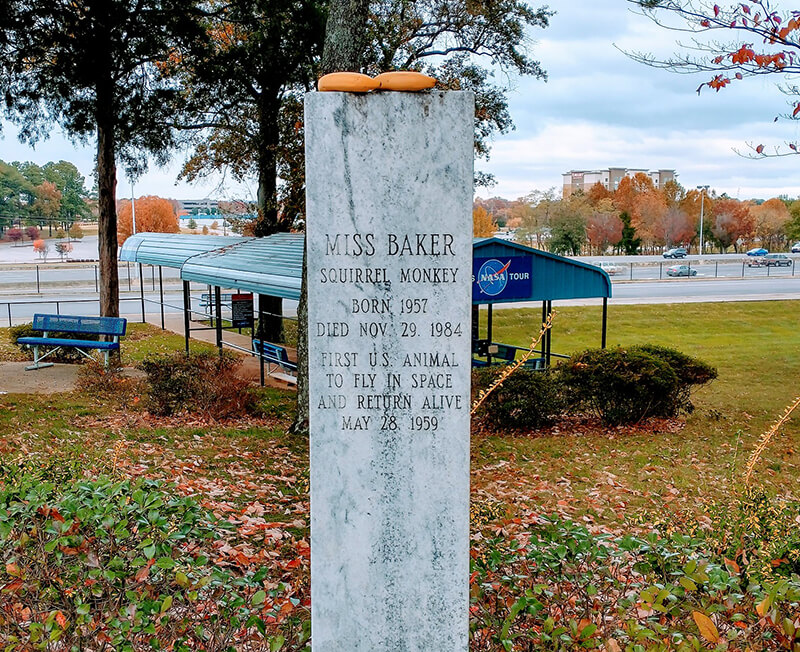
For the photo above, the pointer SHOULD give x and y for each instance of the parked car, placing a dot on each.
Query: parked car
(677, 252)
(760, 251)
(608, 267)
(796, 248)
(777, 260)
(681, 270)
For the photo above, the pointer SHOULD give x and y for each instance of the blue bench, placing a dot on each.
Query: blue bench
(502, 354)
(73, 325)
(274, 354)
(208, 301)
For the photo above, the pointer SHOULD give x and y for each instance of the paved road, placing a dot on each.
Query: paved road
(697, 289)
(85, 249)
(694, 290)
(724, 268)
(683, 290)
(75, 276)
(658, 258)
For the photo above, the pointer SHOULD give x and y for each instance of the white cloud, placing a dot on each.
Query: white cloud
(699, 157)
(599, 108)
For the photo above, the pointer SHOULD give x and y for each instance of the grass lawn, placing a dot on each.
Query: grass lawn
(253, 474)
(603, 475)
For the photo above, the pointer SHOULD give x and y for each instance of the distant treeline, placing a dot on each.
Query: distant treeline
(639, 218)
(52, 195)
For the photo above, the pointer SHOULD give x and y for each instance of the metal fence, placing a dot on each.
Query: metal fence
(698, 269)
(41, 278)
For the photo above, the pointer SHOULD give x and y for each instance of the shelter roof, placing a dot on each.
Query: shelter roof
(502, 271)
(172, 249)
(531, 274)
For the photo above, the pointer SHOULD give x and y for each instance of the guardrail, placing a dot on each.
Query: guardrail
(654, 271)
(53, 277)
(47, 302)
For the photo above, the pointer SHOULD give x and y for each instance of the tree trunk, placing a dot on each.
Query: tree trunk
(346, 36)
(267, 222)
(300, 425)
(346, 42)
(269, 139)
(107, 206)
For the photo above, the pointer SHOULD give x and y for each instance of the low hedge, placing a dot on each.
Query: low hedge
(527, 399)
(619, 385)
(202, 383)
(626, 385)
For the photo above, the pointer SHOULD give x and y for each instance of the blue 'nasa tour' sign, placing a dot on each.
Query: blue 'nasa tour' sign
(501, 278)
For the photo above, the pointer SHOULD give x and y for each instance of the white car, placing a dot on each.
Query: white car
(608, 267)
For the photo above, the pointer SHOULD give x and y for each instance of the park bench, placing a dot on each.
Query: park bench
(274, 354)
(207, 300)
(502, 354)
(73, 325)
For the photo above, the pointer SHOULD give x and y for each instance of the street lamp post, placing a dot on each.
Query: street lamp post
(702, 190)
(133, 211)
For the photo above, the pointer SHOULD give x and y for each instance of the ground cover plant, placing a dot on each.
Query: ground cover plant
(584, 536)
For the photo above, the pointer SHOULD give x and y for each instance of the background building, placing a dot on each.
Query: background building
(198, 207)
(575, 180)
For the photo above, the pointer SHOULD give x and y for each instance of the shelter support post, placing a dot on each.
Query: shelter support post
(476, 326)
(548, 335)
(161, 294)
(261, 309)
(141, 291)
(543, 341)
(187, 308)
(605, 322)
(218, 313)
(489, 334)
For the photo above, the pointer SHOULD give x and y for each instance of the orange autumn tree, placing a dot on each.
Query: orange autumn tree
(483, 226)
(153, 214)
(48, 199)
(597, 193)
(604, 227)
(770, 220)
(733, 224)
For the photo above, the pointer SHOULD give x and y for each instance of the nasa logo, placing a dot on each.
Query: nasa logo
(493, 277)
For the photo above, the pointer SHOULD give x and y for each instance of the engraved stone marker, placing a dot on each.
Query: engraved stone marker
(389, 202)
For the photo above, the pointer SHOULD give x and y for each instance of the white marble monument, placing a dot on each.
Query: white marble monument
(389, 224)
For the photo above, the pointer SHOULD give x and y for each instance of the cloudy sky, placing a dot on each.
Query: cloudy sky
(597, 109)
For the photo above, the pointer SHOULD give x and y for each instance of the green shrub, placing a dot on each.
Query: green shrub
(62, 355)
(201, 383)
(108, 384)
(527, 399)
(691, 372)
(124, 565)
(627, 385)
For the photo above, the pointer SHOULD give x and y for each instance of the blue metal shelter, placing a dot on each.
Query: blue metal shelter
(507, 272)
(502, 272)
(531, 274)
